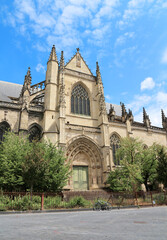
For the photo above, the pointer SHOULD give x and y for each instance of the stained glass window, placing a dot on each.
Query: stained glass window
(80, 103)
(34, 133)
(115, 143)
(4, 126)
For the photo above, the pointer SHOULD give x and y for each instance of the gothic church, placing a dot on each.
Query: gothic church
(69, 108)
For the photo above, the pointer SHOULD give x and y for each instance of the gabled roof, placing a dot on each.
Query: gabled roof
(8, 90)
(71, 64)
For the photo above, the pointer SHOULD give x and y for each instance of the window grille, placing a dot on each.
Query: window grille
(115, 143)
(80, 103)
(34, 134)
(4, 127)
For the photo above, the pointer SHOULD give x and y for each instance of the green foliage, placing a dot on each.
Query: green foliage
(12, 153)
(160, 199)
(149, 165)
(57, 171)
(77, 201)
(52, 202)
(138, 165)
(127, 177)
(162, 165)
(37, 166)
(20, 203)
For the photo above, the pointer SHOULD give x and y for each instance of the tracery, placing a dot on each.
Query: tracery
(80, 103)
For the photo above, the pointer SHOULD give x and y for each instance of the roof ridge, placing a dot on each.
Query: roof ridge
(11, 83)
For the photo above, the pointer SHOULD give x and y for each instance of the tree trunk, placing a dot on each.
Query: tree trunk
(31, 190)
(146, 185)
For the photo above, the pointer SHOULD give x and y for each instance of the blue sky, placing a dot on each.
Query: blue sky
(127, 38)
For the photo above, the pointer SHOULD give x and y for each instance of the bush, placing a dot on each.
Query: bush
(78, 201)
(23, 203)
(52, 202)
(160, 199)
(20, 203)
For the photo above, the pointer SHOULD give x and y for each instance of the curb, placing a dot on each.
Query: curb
(63, 210)
(46, 211)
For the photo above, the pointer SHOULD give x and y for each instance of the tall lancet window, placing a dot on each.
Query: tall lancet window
(4, 127)
(34, 133)
(115, 143)
(80, 103)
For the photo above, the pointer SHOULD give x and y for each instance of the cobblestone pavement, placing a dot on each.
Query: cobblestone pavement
(124, 224)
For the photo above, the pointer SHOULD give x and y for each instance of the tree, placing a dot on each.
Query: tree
(44, 168)
(38, 166)
(128, 176)
(57, 170)
(162, 165)
(34, 166)
(12, 153)
(149, 165)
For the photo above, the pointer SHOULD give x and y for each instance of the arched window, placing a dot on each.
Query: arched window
(4, 126)
(115, 143)
(80, 103)
(34, 133)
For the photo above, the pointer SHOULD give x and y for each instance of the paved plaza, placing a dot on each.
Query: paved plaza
(124, 224)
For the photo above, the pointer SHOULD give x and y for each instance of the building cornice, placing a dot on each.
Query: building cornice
(79, 75)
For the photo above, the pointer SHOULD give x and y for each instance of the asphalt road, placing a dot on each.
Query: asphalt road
(124, 224)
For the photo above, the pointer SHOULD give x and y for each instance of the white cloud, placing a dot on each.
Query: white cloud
(122, 39)
(164, 56)
(40, 68)
(161, 97)
(65, 21)
(153, 105)
(164, 5)
(148, 84)
(40, 47)
(108, 97)
(138, 102)
(137, 8)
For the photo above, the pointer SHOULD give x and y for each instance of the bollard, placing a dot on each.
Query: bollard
(42, 201)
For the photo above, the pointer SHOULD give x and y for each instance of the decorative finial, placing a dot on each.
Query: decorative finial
(124, 113)
(53, 56)
(78, 49)
(163, 115)
(27, 80)
(164, 120)
(62, 60)
(146, 119)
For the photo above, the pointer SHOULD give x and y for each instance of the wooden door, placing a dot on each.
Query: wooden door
(80, 177)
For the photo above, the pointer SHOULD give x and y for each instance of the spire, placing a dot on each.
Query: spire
(111, 115)
(28, 78)
(163, 116)
(123, 108)
(124, 112)
(53, 56)
(130, 115)
(146, 119)
(164, 119)
(62, 102)
(98, 74)
(62, 61)
(27, 82)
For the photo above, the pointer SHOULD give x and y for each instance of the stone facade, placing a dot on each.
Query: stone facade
(69, 108)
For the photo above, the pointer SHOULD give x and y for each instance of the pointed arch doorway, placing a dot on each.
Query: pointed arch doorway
(80, 171)
(86, 164)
